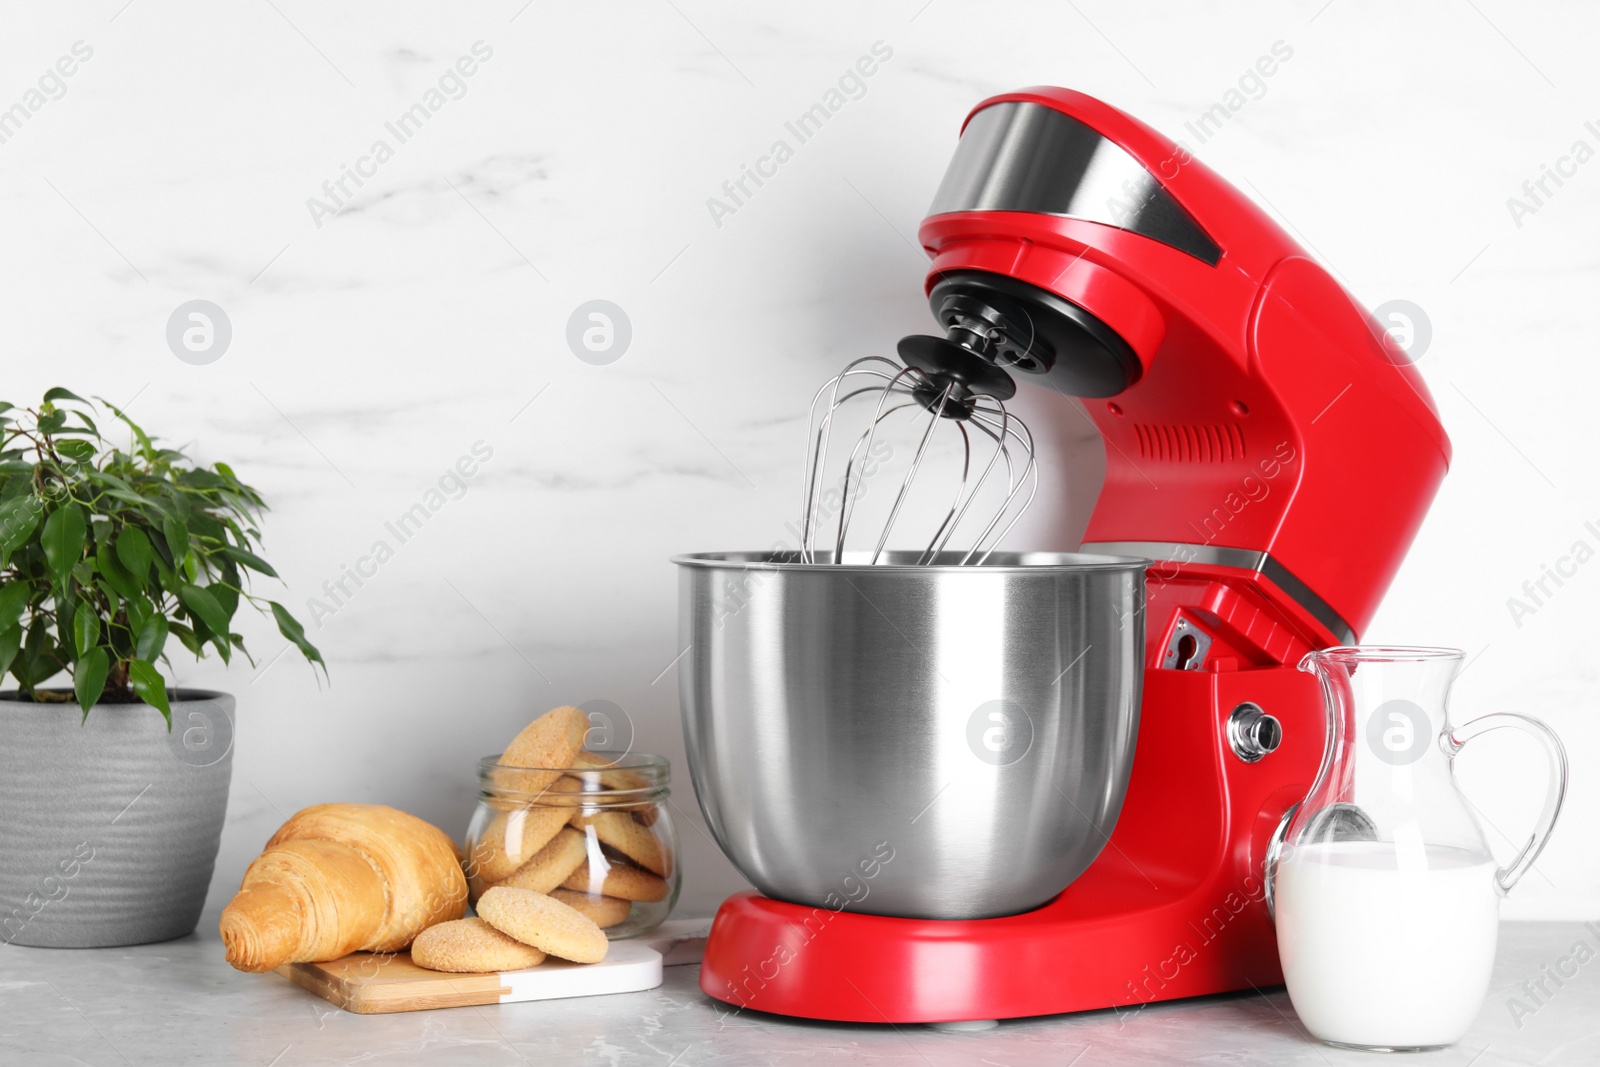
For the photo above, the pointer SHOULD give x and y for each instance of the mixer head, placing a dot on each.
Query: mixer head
(952, 390)
(1079, 249)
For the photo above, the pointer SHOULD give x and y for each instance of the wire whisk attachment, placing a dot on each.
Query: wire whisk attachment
(941, 384)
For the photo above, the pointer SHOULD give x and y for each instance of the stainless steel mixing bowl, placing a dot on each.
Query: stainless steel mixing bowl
(944, 742)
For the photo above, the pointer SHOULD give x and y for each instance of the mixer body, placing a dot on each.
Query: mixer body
(1268, 447)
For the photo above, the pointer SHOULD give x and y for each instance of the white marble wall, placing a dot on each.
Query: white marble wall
(372, 349)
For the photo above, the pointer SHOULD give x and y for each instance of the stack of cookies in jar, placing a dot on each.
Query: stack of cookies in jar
(567, 848)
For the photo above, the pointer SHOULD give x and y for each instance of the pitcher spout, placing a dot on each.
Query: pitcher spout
(1315, 662)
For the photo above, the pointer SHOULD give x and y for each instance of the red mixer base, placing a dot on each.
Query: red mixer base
(1173, 907)
(1109, 944)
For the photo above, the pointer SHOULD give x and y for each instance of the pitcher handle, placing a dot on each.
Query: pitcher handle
(1455, 740)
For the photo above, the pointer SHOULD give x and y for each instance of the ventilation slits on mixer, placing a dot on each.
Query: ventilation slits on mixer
(1211, 443)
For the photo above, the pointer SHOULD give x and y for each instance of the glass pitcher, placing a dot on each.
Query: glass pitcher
(1385, 895)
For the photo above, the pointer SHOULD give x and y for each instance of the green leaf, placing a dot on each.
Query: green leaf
(148, 507)
(37, 660)
(58, 393)
(77, 451)
(249, 559)
(147, 682)
(190, 639)
(152, 635)
(227, 598)
(115, 574)
(63, 539)
(177, 535)
(86, 629)
(200, 479)
(18, 519)
(89, 426)
(145, 447)
(107, 478)
(14, 598)
(204, 606)
(134, 551)
(290, 628)
(52, 422)
(89, 677)
(167, 579)
(139, 611)
(10, 641)
(203, 527)
(239, 536)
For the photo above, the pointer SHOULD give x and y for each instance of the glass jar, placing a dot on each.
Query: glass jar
(598, 837)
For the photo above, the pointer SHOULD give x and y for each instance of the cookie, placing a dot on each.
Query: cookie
(471, 946)
(553, 740)
(551, 865)
(566, 792)
(618, 880)
(543, 922)
(613, 778)
(617, 829)
(635, 798)
(512, 838)
(605, 911)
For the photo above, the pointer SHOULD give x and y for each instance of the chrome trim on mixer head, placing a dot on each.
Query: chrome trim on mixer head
(1244, 559)
(1022, 156)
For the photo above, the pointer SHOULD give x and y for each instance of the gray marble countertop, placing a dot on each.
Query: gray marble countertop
(179, 1003)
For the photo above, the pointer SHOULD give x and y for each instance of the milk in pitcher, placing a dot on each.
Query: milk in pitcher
(1384, 944)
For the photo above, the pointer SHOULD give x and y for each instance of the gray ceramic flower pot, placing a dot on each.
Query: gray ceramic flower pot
(109, 827)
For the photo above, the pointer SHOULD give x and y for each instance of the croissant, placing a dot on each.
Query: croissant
(342, 878)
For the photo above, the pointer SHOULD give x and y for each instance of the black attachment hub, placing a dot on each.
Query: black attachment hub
(949, 367)
(1017, 326)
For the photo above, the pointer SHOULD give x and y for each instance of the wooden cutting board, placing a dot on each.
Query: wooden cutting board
(375, 983)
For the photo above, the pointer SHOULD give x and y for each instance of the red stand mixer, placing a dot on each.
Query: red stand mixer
(1268, 448)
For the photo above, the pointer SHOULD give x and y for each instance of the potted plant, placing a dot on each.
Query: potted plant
(113, 791)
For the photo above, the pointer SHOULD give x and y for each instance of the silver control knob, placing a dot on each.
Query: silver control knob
(1252, 733)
